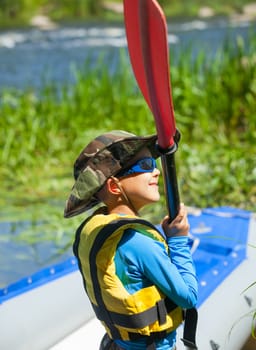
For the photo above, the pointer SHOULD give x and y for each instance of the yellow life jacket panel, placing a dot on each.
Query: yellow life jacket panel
(124, 315)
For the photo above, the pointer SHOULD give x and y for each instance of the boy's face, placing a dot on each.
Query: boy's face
(142, 188)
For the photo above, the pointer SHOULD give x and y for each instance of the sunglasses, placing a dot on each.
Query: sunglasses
(144, 165)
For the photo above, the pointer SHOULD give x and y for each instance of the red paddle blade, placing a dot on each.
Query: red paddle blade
(146, 32)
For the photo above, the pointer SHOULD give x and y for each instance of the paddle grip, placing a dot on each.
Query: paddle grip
(170, 181)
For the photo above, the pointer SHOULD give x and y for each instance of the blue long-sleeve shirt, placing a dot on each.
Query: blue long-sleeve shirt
(142, 261)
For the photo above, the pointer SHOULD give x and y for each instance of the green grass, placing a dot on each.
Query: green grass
(42, 133)
(20, 12)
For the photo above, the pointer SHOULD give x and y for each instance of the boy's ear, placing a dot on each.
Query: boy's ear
(112, 186)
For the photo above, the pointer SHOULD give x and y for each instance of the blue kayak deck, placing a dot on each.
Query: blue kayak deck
(221, 233)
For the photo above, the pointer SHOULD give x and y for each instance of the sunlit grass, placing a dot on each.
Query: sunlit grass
(19, 12)
(42, 133)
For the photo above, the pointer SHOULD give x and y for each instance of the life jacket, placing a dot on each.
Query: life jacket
(125, 316)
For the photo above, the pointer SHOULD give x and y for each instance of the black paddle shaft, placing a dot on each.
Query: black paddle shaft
(170, 181)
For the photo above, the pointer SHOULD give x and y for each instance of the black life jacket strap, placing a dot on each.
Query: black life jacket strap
(75, 248)
(142, 319)
(190, 325)
(189, 333)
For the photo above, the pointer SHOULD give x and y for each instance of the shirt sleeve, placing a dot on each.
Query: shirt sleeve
(142, 261)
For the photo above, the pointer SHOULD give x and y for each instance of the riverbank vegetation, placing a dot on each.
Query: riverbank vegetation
(215, 104)
(20, 12)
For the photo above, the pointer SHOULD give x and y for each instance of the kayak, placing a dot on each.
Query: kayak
(50, 310)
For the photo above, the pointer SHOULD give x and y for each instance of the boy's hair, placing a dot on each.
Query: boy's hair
(102, 158)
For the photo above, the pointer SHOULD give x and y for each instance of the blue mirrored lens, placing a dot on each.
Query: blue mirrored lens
(144, 165)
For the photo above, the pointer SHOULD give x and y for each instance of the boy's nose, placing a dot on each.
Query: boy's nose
(156, 171)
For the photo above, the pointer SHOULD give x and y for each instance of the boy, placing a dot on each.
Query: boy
(137, 278)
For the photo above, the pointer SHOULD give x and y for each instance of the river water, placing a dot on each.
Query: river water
(19, 259)
(33, 57)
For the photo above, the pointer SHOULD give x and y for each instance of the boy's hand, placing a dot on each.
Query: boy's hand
(179, 226)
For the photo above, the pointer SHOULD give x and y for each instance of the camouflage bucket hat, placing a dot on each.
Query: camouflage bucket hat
(102, 158)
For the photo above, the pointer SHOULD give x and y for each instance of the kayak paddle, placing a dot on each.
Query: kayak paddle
(147, 38)
(146, 32)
